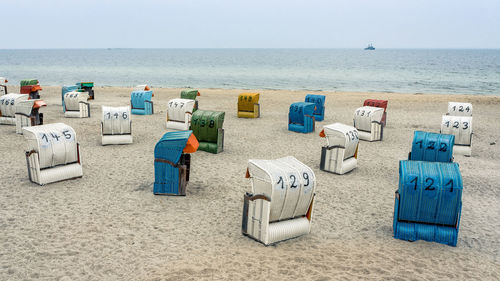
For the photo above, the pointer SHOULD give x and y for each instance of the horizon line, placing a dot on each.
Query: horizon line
(254, 48)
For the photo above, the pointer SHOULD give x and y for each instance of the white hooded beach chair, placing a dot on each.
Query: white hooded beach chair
(340, 154)
(8, 105)
(3, 86)
(179, 114)
(458, 122)
(281, 202)
(27, 114)
(142, 87)
(459, 109)
(368, 122)
(116, 125)
(52, 153)
(76, 105)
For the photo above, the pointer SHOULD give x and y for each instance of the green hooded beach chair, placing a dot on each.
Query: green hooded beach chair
(191, 95)
(207, 127)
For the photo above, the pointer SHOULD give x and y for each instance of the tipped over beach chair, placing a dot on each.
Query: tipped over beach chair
(8, 105)
(378, 103)
(300, 117)
(432, 147)
(458, 122)
(368, 122)
(52, 154)
(179, 114)
(30, 87)
(76, 105)
(340, 155)
(280, 205)
(3, 86)
(141, 104)
(319, 101)
(428, 202)
(173, 162)
(248, 105)
(207, 127)
(116, 125)
(28, 114)
(191, 95)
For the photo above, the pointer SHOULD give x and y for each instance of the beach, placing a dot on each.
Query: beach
(108, 225)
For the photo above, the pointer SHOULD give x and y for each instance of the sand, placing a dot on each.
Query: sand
(108, 225)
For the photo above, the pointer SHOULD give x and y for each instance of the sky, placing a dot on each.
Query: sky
(33, 24)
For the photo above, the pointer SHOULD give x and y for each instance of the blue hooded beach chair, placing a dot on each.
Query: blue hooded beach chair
(428, 202)
(319, 101)
(432, 147)
(173, 161)
(141, 103)
(300, 117)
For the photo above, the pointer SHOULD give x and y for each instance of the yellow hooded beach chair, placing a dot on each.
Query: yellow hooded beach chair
(248, 105)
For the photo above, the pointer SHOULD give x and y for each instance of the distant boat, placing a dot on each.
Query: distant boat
(370, 47)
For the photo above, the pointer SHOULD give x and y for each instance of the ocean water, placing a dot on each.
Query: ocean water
(382, 70)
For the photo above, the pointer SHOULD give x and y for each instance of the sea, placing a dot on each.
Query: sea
(445, 71)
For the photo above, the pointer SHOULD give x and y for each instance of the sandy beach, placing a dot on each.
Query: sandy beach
(108, 225)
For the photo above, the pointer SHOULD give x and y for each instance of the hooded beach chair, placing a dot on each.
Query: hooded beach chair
(64, 91)
(432, 147)
(428, 202)
(319, 101)
(179, 114)
(116, 125)
(141, 103)
(248, 105)
(280, 205)
(191, 94)
(28, 114)
(340, 155)
(52, 153)
(458, 122)
(173, 162)
(368, 122)
(86, 87)
(8, 105)
(3, 86)
(378, 103)
(76, 105)
(459, 109)
(31, 88)
(300, 117)
(142, 87)
(207, 127)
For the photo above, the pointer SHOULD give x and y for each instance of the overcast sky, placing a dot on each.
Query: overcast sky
(249, 24)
